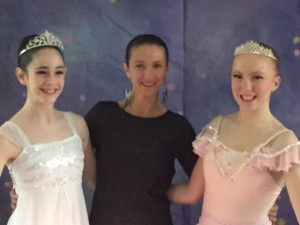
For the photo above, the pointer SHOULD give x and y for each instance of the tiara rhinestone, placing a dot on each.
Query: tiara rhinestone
(254, 48)
(44, 39)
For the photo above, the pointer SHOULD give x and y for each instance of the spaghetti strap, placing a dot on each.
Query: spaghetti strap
(273, 136)
(14, 134)
(220, 118)
(70, 121)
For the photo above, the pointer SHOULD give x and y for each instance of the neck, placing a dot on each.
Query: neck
(43, 113)
(255, 118)
(143, 106)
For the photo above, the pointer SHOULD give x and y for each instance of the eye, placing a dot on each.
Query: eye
(237, 76)
(60, 72)
(257, 77)
(157, 66)
(41, 72)
(139, 66)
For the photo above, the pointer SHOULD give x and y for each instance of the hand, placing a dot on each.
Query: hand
(273, 213)
(13, 195)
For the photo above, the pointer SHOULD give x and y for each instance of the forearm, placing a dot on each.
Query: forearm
(89, 173)
(89, 170)
(190, 192)
(180, 194)
(292, 180)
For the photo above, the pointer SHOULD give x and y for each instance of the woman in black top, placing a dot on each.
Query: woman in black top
(136, 141)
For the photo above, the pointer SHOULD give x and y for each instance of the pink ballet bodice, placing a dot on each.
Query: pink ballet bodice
(239, 188)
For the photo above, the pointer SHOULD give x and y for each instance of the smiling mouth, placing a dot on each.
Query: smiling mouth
(49, 91)
(149, 84)
(247, 98)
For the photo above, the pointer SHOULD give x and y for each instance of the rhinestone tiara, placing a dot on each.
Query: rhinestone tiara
(254, 48)
(44, 39)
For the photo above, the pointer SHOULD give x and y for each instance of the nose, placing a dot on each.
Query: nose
(148, 72)
(247, 84)
(50, 79)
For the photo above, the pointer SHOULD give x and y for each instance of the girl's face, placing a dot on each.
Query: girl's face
(254, 78)
(147, 69)
(45, 76)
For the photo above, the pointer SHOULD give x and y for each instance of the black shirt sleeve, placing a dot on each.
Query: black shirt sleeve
(186, 157)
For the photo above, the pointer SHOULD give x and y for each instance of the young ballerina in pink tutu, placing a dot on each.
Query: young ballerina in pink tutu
(246, 157)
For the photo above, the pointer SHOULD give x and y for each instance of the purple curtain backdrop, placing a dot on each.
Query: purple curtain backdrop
(201, 36)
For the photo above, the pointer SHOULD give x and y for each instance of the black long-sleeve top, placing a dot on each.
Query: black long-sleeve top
(135, 164)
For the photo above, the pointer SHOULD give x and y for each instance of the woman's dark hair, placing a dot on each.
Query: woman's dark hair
(142, 39)
(25, 59)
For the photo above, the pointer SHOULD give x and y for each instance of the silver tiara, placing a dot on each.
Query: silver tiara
(44, 39)
(254, 48)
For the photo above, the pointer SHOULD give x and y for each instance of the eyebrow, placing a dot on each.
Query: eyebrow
(254, 72)
(45, 67)
(139, 61)
(142, 61)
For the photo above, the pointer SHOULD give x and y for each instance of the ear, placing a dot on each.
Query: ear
(21, 76)
(126, 70)
(277, 82)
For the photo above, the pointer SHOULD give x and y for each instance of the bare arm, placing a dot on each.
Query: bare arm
(8, 152)
(190, 192)
(292, 176)
(89, 169)
(292, 181)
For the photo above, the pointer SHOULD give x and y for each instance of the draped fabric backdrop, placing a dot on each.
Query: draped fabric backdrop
(201, 35)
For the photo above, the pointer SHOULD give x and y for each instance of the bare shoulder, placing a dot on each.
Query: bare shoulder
(286, 137)
(79, 120)
(8, 150)
(80, 124)
(216, 121)
(283, 135)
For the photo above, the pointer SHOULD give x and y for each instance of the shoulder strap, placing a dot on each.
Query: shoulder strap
(14, 134)
(219, 123)
(71, 121)
(275, 135)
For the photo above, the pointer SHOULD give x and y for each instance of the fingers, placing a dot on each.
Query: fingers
(273, 214)
(13, 199)
(273, 219)
(274, 210)
(8, 184)
(13, 195)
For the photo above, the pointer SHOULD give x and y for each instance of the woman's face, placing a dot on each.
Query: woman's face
(45, 76)
(147, 69)
(254, 78)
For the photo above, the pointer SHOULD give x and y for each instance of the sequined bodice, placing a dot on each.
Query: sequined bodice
(47, 165)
